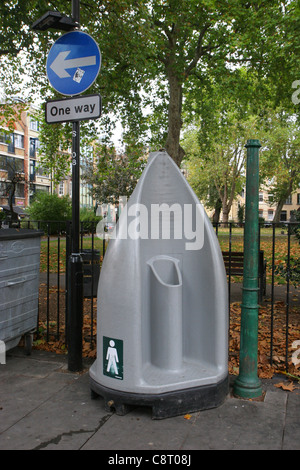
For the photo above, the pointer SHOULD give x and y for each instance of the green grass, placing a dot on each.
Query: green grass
(59, 247)
(281, 246)
(237, 244)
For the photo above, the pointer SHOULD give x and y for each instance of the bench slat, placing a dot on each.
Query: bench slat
(234, 265)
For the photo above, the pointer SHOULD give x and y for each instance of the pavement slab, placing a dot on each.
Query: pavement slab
(43, 406)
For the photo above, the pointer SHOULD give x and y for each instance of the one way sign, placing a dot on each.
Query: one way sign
(78, 108)
(73, 63)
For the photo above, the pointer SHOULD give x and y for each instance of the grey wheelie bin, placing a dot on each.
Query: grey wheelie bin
(19, 285)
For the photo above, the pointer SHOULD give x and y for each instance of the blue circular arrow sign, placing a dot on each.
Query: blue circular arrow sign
(73, 63)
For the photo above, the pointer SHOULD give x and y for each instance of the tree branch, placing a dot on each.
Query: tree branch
(169, 34)
(9, 51)
(198, 52)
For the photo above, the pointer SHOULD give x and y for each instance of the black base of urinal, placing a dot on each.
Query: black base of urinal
(164, 405)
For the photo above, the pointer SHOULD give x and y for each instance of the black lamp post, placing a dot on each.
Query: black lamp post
(55, 20)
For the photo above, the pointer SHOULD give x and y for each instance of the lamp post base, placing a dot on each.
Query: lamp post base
(247, 388)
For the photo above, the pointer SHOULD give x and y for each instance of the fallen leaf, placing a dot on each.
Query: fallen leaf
(187, 416)
(289, 387)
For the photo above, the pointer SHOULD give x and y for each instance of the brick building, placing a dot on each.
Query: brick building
(19, 156)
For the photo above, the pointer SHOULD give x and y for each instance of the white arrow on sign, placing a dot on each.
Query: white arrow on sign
(60, 63)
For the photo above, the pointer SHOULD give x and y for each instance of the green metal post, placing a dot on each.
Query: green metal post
(247, 384)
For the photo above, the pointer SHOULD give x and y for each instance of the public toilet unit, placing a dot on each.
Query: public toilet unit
(162, 329)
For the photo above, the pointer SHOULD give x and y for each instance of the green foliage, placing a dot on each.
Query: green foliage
(280, 155)
(50, 207)
(293, 274)
(16, 18)
(88, 218)
(290, 269)
(214, 142)
(55, 139)
(110, 175)
(55, 145)
(148, 46)
(241, 213)
(157, 55)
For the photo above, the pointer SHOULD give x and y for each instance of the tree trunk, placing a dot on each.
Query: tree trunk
(278, 210)
(225, 208)
(225, 212)
(216, 215)
(174, 119)
(281, 202)
(14, 215)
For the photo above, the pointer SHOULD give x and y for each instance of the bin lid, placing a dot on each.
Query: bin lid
(17, 233)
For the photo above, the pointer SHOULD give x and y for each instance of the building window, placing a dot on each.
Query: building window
(19, 141)
(298, 199)
(34, 125)
(270, 215)
(11, 143)
(39, 187)
(3, 189)
(283, 216)
(19, 190)
(3, 165)
(12, 165)
(261, 197)
(4, 137)
(40, 171)
(289, 200)
(17, 164)
(32, 170)
(34, 146)
(61, 188)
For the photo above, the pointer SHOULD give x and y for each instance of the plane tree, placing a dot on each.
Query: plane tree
(156, 53)
(280, 156)
(217, 173)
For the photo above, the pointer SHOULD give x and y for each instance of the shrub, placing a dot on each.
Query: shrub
(50, 207)
(89, 219)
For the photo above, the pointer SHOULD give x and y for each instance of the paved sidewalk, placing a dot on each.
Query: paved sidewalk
(44, 406)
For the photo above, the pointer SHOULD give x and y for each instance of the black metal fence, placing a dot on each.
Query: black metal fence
(53, 297)
(278, 296)
(279, 248)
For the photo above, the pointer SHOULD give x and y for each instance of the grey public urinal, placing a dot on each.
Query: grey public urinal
(162, 325)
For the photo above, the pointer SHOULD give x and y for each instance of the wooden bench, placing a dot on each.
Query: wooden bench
(234, 265)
